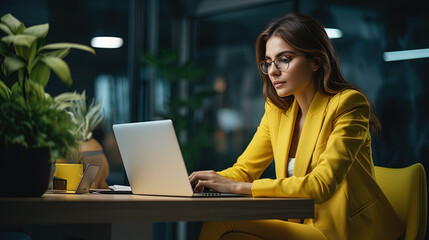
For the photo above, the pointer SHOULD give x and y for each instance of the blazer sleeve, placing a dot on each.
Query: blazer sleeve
(257, 156)
(350, 129)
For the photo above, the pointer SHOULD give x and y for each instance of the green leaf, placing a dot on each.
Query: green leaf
(35, 89)
(61, 53)
(13, 64)
(67, 45)
(40, 73)
(29, 54)
(67, 100)
(20, 40)
(16, 89)
(5, 29)
(12, 23)
(94, 116)
(68, 96)
(19, 140)
(95, 122)
(60, 68)
(39, 31)
(4, 91)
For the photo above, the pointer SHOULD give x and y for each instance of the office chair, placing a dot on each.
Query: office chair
(406, 190)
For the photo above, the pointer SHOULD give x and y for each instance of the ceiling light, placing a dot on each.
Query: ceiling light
(107, 42)
(334, 33)
(405, 55)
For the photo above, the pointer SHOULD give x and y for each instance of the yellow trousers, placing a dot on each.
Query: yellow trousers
(261, 229)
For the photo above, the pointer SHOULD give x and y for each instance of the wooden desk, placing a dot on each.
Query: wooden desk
(122, 210)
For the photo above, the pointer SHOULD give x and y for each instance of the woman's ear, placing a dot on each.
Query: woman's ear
(317, 63)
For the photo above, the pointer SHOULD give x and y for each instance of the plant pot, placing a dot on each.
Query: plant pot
(71, 172)
(24, 172)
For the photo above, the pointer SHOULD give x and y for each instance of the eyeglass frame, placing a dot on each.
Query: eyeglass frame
(279, 55)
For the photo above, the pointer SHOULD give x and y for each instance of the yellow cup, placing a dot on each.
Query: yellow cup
(71, 172)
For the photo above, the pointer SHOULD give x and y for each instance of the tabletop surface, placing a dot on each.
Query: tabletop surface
(109, 208)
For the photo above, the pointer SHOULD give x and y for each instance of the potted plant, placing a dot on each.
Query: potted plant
(86, 117)
(34, 131)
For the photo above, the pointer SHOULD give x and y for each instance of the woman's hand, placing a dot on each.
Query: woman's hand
(214, 181)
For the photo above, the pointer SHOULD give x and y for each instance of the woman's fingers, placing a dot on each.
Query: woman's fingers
(201, 179)
(210, 179)
(201, 175)
(199, 187)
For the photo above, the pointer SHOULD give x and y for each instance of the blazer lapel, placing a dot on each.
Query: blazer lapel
(284, 139)
(310, 132)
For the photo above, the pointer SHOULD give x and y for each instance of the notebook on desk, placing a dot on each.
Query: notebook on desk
(153, 161)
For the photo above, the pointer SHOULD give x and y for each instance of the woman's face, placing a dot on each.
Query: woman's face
(299, 76)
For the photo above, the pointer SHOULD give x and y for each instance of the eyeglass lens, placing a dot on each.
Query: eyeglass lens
(281, 64)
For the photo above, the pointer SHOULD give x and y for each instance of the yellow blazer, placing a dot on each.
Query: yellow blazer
(333, 165)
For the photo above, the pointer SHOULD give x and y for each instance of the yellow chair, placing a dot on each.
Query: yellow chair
(406, 190)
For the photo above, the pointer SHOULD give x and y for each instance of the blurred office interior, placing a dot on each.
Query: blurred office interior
(219, 108)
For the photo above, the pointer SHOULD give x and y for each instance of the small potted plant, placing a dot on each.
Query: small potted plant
(86, 117)
(34, 131)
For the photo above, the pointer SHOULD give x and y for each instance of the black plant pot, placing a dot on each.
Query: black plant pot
(24, 172)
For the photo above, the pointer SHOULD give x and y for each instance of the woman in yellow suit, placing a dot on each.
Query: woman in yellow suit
(316, 127)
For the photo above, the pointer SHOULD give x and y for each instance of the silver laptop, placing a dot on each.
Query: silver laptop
(153, 161)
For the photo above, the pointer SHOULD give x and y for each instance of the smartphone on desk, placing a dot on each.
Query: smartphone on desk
(85, 182)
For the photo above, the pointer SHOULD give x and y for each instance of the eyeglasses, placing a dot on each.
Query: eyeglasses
(281, 63)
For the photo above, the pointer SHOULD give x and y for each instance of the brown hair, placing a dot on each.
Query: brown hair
(307, 35)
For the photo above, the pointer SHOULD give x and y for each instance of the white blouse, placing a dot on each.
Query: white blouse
(290, 166)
